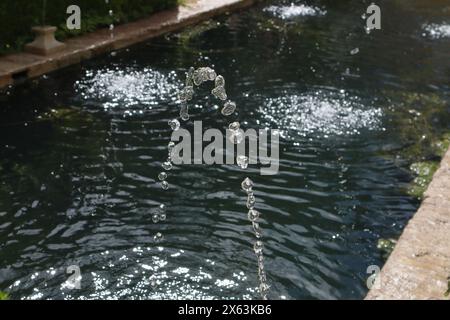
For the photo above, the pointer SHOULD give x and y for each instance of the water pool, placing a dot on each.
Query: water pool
(81, 149)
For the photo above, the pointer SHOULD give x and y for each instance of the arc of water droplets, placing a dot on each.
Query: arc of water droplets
(197, 77)
(111, 14)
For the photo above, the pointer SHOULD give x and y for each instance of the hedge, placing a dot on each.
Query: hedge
(18, 16)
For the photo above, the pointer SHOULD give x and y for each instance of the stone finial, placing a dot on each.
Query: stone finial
(45, 42)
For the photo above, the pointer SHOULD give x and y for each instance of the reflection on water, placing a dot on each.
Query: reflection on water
(78, 184)
(141, 274)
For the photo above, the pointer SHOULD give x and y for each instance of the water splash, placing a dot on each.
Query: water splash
(436, 31)
(125, 88)
(294, 11)
(320, 113)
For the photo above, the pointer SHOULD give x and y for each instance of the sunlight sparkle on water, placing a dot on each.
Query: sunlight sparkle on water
(293, 11)
(127, 87)
(320, 113)
(437, 31)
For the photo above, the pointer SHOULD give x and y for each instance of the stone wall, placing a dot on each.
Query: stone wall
(419, 266)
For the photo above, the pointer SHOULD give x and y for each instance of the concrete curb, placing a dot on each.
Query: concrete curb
(419, 266)
(21, 66)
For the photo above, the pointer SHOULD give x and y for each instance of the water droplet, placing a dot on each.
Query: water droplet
(247, 185)
(253, 215)
(219, 93)
(201, 75)
(258, 248)
(184, 112)
(219, 81)
(228, 108)
(262, 275)
(162, 217)
(234, 126)
(257, 230)
(158, 237)
(111, 12)
(189, 75)
(261, 272)
(260, 261)
(263, 288)
(242, 161)
(155, 218)
(186, 94)
(197, 77)
(167, 165)
(354, 51)
(251, 200)
(162, 207)
(174, 124)
(182, 95)
(236, 137)
(162, 176)
(165, 185)
(111, 27)
(184, 116)
(211, 74)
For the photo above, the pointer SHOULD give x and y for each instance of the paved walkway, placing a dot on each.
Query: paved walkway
(26, 65)
(419, 266)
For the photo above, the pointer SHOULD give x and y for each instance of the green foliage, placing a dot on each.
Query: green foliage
(4, 296)
(18, 16)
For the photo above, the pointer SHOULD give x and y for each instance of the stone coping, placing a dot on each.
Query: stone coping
(24, 65)
(419, 266)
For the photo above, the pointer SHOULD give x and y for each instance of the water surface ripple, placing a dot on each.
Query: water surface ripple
(77, 178)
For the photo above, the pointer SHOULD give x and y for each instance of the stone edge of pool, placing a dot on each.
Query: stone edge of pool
(419, 266)
(20, 66)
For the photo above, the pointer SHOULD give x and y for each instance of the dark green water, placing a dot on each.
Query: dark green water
(77, 184)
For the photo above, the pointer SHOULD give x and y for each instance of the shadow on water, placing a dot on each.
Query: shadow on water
(80, 150)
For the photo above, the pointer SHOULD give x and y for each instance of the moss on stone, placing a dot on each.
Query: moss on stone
(386, 246)
(447, 293)
(4, 295)
(424, 172)
(441, 146)
(421, 134)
